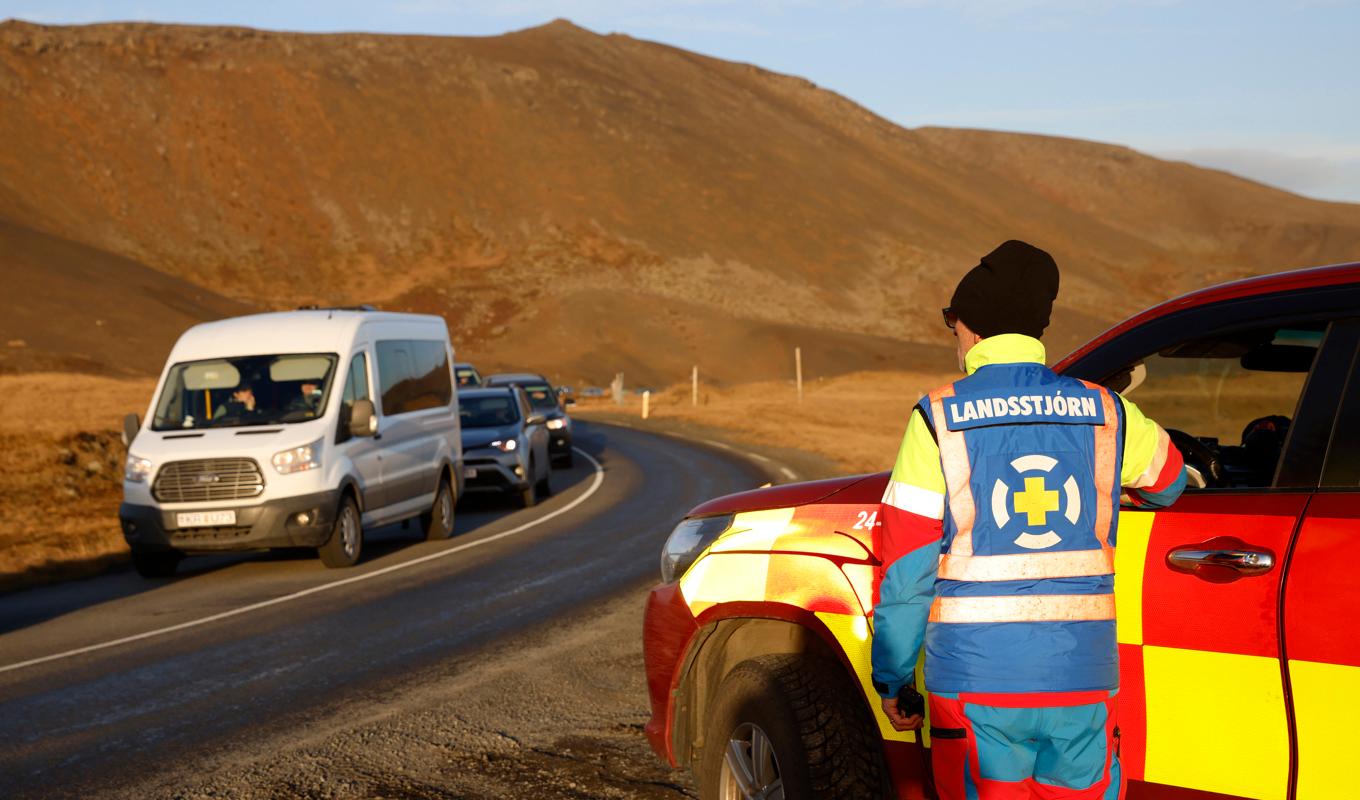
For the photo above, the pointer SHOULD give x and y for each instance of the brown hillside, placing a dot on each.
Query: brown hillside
(70, 307)
(585, 203)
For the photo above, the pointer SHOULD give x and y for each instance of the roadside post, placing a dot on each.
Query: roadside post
(798, 370)
(694, 386)
(646, 404)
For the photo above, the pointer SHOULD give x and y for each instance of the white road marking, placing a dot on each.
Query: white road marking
(716, 443)
(595, 484)
(759, 457)
(788, 473)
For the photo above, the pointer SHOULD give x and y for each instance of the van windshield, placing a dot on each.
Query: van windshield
(245, 390)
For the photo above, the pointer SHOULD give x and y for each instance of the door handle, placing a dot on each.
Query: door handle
(1222, 559)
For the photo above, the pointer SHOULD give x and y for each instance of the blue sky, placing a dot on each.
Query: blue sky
(1269, 90)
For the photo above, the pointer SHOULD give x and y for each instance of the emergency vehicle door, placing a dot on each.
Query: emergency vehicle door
(1321, 607)
(1203, 709)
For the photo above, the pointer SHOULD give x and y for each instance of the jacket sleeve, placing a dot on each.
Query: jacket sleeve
(1154, 470)
(909, 555)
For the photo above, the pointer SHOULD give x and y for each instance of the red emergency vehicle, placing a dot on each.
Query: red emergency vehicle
(1238, 606)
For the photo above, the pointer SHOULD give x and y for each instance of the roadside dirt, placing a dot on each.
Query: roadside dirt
(557, 713)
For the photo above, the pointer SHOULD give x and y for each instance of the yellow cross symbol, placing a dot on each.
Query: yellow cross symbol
(1035, 502)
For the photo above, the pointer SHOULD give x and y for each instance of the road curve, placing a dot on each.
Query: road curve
(251, 643)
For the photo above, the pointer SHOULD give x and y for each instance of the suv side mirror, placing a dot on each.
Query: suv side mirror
(535, 419)
(363, 418)
(131, 424)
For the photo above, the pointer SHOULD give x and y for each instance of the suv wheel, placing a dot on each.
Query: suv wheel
(155, 563)
(347, 536)
(783, 726)
(437, 523)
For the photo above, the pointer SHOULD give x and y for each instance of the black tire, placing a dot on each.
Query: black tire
(823, 742)
(437, 523)
(346, 543)
(544, 486)
(155, 563)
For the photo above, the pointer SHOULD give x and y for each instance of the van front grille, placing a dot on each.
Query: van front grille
(208, 479)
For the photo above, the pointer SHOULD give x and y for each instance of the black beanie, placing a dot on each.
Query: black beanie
(1011, 291)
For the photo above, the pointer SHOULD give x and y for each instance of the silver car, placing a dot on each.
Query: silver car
(505, 444)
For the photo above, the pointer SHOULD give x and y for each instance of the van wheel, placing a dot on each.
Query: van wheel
(347, 536)
(783, 726)
(155, 563)
(437, 523)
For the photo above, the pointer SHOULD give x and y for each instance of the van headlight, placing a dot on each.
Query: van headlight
(298, 459)
(687, 541)
(136, 469)
(505, 445)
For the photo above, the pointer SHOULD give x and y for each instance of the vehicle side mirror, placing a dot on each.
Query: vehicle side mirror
(363, 418)
(131, 424)
(535, 419)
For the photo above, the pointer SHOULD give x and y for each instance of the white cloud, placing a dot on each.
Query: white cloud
(1333, 175)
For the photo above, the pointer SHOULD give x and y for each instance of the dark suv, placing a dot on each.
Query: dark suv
(544, 399)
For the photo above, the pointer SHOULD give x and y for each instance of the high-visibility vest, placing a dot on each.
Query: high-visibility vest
(1024, 596)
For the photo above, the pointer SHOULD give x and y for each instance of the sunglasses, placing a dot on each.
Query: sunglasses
(950, 318)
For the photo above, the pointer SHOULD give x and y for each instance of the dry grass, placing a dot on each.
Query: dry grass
(60, 474)
(857, 420)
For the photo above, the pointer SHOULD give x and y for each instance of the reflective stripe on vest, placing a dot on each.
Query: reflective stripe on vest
(1028, 566)
(960, 564)
(1023, 608)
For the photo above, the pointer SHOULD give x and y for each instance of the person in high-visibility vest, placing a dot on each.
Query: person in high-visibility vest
(997, 549)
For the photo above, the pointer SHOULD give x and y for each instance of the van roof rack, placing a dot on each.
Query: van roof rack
(362, 307)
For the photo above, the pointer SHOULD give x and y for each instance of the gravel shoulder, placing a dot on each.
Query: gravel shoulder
(556, 712)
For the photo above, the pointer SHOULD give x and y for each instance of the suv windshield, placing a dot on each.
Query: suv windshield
(491, 411)
(541, 396)
(245, 390)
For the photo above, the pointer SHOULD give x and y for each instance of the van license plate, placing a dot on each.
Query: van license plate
(205, 519)
(469, 472)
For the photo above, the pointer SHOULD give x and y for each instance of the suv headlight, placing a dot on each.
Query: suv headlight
(687, 541)
(136, 469)
(557, 424)
(299, 459)
(505, 445)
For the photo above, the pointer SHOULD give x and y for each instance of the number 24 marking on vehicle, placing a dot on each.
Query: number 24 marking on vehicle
(865, 521)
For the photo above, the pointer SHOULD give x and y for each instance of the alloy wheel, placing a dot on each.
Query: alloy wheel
(349, 531)
(750, 769)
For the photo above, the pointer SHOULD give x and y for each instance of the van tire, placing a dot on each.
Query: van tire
(437, 523)
(155, 563)
(821, 735)
(346, 542)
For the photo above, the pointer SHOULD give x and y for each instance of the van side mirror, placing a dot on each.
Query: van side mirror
(131, 424)
(363, 418)
(535, 419)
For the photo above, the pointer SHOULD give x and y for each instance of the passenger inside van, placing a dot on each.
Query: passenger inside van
(307, 400)
(240, 404)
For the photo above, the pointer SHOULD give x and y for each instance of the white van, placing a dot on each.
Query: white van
(294, 429)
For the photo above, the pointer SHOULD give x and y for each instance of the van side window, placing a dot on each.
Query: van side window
(413, 375)
(356, 388)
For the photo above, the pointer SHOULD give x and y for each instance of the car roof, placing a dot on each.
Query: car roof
(458, 364)
(303, 331)
(516, 377)
(1278, 282)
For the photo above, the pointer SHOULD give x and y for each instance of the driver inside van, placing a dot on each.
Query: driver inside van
(308, 398)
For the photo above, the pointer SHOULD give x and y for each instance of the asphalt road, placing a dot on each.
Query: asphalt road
(257, 647)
